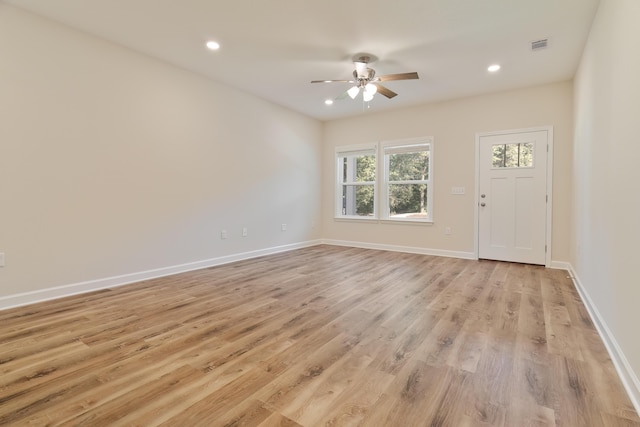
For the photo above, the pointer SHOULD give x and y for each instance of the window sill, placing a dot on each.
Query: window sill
(407, 221)
(385, 221)
(355, 219)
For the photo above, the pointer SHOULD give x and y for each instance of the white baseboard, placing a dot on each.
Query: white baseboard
(25, 298)
(395, 248)
(560, 265)
(625, 371)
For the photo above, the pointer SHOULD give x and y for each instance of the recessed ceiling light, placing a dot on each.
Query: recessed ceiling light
(213, 45)
(493, 68)
(328, 101)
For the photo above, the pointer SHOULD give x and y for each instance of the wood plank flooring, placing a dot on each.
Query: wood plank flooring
(323, 336)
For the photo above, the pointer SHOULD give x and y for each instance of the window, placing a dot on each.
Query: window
(356, 192)
(404, 181)
(514, 155)
(407, 184)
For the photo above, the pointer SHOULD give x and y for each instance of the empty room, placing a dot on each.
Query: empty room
(292, 213)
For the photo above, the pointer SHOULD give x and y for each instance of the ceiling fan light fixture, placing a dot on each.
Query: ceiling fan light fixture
(365, 78)
(353, 92)
(370, 88)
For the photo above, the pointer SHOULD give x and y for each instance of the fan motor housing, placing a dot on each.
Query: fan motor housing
(370, 75)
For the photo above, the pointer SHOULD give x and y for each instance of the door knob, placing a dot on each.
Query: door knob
(483, 195)
(483, 204)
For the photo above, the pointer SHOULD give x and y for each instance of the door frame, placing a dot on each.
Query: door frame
(549, 221)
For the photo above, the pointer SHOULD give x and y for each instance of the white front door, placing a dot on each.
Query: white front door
(512, 212)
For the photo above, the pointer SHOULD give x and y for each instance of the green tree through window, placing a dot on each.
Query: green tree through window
(357, 178)
(404, 180)
(408, 197)
(366, 169)
(407, 172)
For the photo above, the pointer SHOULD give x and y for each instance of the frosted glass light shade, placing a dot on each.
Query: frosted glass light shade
(371, 88)
(369, 91)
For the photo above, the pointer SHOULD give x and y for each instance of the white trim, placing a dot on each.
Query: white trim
(623, 367)
(408, 145)
(549, 193)
(417, 144)
(560, 265)
(370, 148)
(32, 297)
(357, 149)
(400, 220)
(383, 221)
(407, 141)
(396, 248)
(381, 185)
(355, 218)
(549, 225)
(476, 202)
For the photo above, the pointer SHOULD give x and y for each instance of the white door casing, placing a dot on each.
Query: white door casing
(513, 185)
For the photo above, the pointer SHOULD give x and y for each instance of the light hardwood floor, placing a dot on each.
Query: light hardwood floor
(323, 336)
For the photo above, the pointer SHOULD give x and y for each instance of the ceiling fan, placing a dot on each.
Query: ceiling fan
(365, 78)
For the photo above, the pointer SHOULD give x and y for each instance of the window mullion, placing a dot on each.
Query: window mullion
(359, 183)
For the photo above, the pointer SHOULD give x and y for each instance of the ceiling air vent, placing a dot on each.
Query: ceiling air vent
(539, 44)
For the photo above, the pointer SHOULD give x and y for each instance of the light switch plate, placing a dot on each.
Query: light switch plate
(457, 190)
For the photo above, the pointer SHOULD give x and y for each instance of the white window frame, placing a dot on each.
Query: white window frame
(381, 184)
(341, 152)
(405, 145)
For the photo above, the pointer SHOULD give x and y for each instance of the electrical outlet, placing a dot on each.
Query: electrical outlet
(245, 232)
(284, 227)
(223, 234)
(1, 259)
(447, 230)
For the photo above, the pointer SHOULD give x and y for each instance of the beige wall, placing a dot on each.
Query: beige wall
(454, 125)
(606, 175)
(112, 162)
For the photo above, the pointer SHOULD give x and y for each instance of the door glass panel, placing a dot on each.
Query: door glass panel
(515, 155)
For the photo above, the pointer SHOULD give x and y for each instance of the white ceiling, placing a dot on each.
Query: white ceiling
(274, 48)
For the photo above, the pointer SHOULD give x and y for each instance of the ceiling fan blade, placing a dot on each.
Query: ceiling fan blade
(401, 76)
(332, 81)
(361, 69)
(385, 91)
